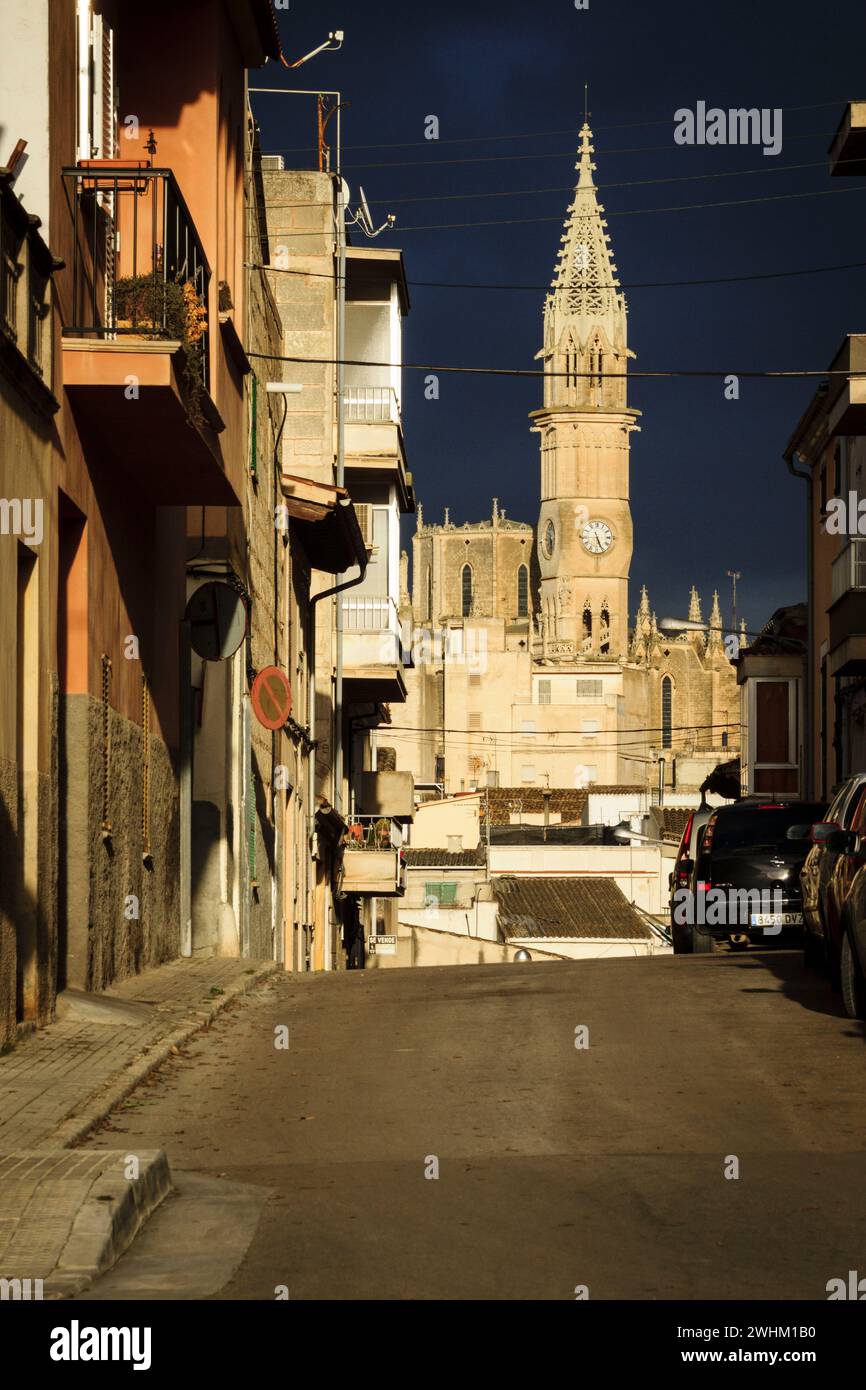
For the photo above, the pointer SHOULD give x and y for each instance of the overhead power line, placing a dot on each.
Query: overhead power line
(534, 134)
(537, 373)
(388, 199)
(634, 212)
(623, 285)
(626, 212)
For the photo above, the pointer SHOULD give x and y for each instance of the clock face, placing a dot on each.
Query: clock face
(549, 538)
(597, 537)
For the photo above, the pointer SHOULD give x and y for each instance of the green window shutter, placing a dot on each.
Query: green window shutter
(444, 893)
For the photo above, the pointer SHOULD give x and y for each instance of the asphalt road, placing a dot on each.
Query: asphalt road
(303, 1170)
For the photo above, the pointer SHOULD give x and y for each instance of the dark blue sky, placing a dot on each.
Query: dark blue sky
(710, 491)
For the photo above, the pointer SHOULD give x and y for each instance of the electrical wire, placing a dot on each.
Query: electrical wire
(536, 134)
(388, 201)
(539, 373)
(545, 289)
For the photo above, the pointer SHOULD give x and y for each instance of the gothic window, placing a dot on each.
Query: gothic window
(595, 366)
(522, 592)
(587, 622)
(466, 591)
(430, 592)
(604, 633)
(667, 709)
(570, 363)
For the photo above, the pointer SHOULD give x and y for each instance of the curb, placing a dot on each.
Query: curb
(107, 1224)
(96, 1109)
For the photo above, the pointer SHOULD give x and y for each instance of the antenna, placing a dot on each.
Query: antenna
(586, 103)
(363, 217)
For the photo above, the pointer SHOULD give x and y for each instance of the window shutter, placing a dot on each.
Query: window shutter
(363, 511)
(104, 91)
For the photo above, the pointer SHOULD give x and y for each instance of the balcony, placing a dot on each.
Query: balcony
(372, 649)
(846, 396)
(390, 794)
(848, 611)
(371, 405)
(373, 863)
(136, 336)
(374, 446)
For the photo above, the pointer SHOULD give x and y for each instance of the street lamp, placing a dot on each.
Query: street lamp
(332, 44)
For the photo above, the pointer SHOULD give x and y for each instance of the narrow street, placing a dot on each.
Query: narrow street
(558, 1166)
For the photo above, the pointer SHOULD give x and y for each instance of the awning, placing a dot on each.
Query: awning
(325, 523)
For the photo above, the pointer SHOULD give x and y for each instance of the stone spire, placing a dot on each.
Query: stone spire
(714, 642)
(641, 625)
(585, 311)
(419, 520)
(695, 606)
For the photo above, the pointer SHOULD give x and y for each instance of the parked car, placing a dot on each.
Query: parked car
(826, 875)
(685, 939)
(852, 945)
(753, 851)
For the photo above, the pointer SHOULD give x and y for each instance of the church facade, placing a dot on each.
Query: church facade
(524, 669)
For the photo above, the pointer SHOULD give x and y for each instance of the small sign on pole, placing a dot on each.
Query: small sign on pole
(272, 697)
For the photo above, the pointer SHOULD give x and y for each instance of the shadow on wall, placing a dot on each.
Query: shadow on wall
(19, 974)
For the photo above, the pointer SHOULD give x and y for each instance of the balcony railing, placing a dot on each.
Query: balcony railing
(138, 266)
(371, 613)
(371, 833)
(849, 569)
(371, 405)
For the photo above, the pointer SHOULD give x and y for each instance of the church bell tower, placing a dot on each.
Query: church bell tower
(584, 533)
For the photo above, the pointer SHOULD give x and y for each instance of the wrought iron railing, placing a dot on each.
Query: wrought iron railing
(138, 265)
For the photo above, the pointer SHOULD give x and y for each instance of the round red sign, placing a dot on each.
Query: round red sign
(272, 697)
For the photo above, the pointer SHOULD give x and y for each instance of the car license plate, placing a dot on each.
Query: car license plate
(776, 919)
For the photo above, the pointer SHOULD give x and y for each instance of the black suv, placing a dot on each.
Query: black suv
(747, 875)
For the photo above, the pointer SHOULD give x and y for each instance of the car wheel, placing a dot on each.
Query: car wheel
(702, 942)
(851, 980)
(683, 939)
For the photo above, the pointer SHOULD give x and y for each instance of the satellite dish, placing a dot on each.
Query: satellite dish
(366, 214)
(217, 617)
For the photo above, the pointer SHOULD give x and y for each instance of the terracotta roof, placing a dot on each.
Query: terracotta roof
(443, 858)
(674, 821)
(585, 908)
(563, 801)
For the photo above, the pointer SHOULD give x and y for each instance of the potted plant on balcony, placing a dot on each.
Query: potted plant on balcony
(149, 307)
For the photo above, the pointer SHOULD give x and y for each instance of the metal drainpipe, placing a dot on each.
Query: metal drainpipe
(808, 697)
(341, 472)
(311, 716)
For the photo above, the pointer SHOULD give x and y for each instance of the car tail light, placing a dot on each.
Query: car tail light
(704, 886)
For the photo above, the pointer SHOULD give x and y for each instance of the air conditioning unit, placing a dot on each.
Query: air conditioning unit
(273, 163)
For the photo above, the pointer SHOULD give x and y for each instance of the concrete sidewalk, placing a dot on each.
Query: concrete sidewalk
(63, 1217)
